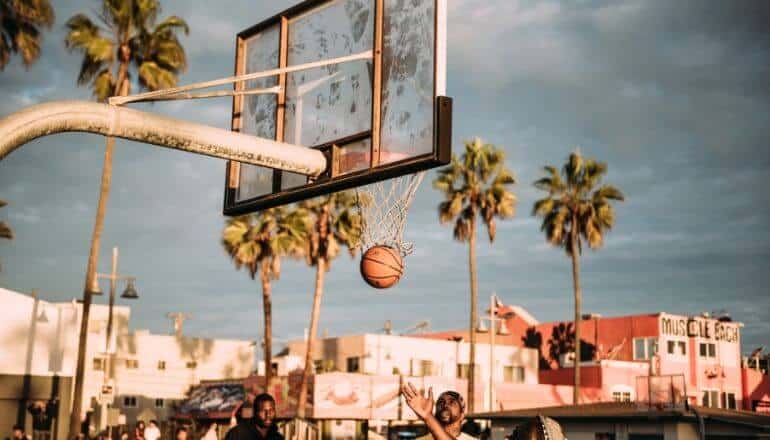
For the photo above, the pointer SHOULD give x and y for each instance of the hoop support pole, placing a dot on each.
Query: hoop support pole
(109, 120)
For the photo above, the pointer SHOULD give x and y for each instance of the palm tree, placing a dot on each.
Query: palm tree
(20, 23)
(332, 220)
(562, 341)
(257, 242)
(127, 33)
(477, 184)
(577, 208)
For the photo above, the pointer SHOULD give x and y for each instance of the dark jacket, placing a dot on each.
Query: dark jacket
(247, 430)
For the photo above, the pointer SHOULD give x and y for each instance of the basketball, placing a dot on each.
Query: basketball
(381, 266)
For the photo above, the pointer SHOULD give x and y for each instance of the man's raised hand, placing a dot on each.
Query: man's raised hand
(421, 405)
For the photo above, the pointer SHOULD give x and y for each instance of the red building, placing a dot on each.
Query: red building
(625, 358)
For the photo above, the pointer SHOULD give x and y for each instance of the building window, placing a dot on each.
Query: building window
(463, 371)
(426, 368)
(645, 348)
(132, 364)
(728, 401)
(99, 364)
(319, 366)
(161, 365)
(621, 396)
(191, 364)
(711, 398)
(353, 365)
(129, 401)
(422, 367)
(513, 374)
(708, 350)
(159, 403)
(677, 348)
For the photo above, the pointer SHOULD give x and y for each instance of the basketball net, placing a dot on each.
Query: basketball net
(384, 206)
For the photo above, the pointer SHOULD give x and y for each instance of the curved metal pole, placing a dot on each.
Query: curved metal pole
(108, 120)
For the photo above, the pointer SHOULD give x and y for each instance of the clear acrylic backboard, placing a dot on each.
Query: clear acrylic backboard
(377, 113)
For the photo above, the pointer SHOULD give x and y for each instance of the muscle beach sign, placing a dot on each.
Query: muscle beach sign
(699, 328)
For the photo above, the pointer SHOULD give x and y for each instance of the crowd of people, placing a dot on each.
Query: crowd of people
(444, 418)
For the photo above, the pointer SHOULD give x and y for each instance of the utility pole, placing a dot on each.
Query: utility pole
(178, 318)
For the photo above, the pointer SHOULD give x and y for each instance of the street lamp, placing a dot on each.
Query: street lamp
(128, 293)
(493, 319)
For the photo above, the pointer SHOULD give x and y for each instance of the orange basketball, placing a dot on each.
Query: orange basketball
(381, 266)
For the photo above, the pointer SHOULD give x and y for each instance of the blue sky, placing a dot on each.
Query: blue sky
(674, 96)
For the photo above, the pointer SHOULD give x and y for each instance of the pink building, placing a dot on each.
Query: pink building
(699, 356)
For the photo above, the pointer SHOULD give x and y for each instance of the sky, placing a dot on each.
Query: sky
(674, 96)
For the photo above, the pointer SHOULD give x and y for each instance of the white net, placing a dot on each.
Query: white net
(384, 206)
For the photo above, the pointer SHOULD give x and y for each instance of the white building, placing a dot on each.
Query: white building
(39, 339)
(383, 355)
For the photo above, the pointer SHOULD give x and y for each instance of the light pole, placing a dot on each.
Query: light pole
(493, 319)
(129, 293)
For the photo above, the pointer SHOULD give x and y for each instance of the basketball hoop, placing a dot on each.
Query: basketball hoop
(384, 206)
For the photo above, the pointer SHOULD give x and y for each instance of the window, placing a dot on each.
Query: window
(645, 348)
(191, 364)
(353, 365)
(711, 398)
(132, 364)
(513, 374)
(99, 364)
(421, 367)
(319, 366)
(708, 350)
(728, 401)
(463, 371)
(621, 396)
(678, 348)
(129, 401)
(426, 368)
(159, 403)
(161, 365)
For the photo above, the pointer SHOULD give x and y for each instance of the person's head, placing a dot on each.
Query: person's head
(538, 428)
(264, 410)
(140, 425)
(181, 433)
(154, 423)
(450, 408)
(18, 432)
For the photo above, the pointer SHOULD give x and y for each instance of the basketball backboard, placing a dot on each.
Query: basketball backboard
(373, 102)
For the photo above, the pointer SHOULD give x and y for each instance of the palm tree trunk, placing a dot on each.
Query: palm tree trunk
(319, 291)
(267, 309)
(578, 301)
(473, 318)
(93, 257)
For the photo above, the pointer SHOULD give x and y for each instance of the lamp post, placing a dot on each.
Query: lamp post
(493, 319)
(128, 293)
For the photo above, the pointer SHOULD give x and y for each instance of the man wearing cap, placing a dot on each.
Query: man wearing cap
(448, 419)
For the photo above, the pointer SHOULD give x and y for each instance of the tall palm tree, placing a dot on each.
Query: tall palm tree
(477, 185)
(257, 242)
(20, 23)
(126, 33)
(577, 208)
(332, 220)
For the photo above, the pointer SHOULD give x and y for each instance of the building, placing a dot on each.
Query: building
(139, 374)
(629, 421)
(619, 353)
